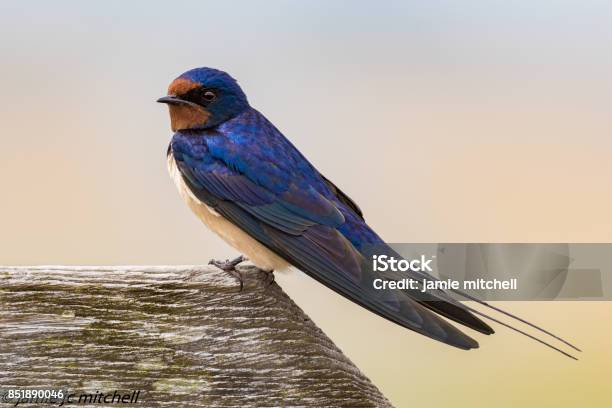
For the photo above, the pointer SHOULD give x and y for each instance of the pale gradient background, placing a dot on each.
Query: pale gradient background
(446, 121)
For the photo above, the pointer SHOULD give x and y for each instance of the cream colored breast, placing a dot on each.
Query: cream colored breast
(230, 233)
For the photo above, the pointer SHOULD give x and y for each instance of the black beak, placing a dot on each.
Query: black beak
(171, 100)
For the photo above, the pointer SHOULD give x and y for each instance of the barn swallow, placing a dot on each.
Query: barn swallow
(251, 186)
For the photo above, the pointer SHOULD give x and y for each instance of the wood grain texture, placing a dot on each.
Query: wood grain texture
(187, 336)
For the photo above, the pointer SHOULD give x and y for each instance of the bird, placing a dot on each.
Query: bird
(251, 186)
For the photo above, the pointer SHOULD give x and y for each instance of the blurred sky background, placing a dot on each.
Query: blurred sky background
(446, 121)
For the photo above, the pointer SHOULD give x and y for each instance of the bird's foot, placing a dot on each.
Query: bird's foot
(230, 267)
(227, 265)
(269, 280)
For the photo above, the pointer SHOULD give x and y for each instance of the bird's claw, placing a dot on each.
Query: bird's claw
(230, 267)
(227, 265)
(269, 280)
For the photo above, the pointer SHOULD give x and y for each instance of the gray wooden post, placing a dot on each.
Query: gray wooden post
(185, 336)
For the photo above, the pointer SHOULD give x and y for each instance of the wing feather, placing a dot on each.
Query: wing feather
(301, 225)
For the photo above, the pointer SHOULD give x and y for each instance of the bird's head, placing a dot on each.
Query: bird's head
(203, 98)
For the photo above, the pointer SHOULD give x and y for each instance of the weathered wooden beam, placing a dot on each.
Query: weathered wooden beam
(186, 336)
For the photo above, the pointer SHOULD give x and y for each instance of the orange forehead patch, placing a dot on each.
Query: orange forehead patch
(181, 86)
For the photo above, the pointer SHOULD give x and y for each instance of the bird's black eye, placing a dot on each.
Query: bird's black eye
(209, 96)
(201, 96)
